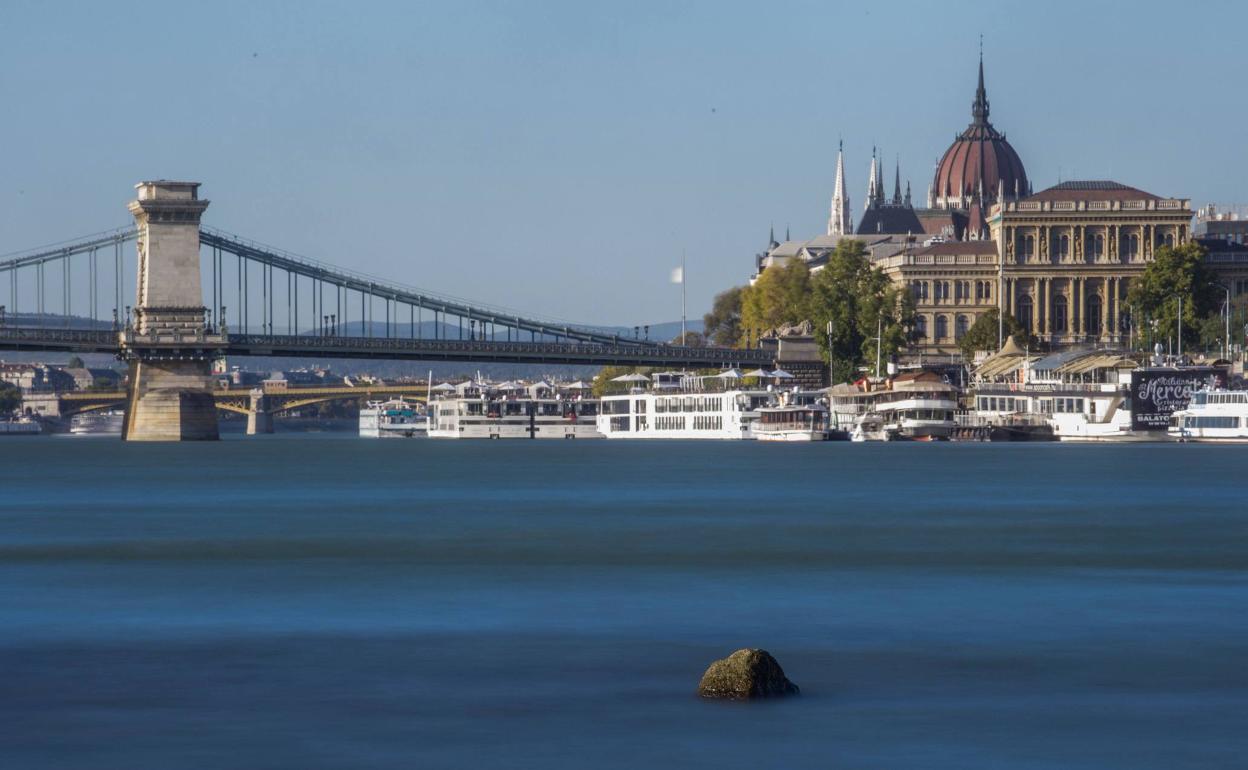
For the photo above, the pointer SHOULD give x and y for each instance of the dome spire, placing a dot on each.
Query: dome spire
(979, 110)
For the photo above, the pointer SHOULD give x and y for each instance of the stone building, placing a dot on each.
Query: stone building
(1070, 252)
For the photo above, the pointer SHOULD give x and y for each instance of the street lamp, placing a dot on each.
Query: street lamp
(1226, 343)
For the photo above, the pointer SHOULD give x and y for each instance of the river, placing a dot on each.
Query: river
(328, 602)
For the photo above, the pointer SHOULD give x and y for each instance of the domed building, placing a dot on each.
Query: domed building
(980, 162)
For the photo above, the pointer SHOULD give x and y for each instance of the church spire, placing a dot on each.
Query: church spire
(838, 218)
(979, 110)
(897, 183)
(873, 182)
(908, 204)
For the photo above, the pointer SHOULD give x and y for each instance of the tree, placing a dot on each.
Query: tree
(690, 339)
(779, 296)
(1154, 298)
(10, 397)
(722, 326)
(983, 334)
(852, 303)
(75, 363)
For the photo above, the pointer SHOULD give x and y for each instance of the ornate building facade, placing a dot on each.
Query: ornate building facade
(1060, 260)
(1070, 252)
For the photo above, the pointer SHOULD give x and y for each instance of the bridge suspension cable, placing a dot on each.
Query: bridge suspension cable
(391, 294)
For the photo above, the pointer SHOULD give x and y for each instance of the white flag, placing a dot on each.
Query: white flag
(678, 275)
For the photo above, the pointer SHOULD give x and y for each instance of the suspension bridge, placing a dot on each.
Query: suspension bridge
(202, 294)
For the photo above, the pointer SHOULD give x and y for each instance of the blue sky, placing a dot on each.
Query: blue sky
(556, 157)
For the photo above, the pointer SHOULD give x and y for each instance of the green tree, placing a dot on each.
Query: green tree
(850, 303)
(1154, 298)
(722, 326)
(10, 397)
(75, 363)
(983, 334)
(779, 296)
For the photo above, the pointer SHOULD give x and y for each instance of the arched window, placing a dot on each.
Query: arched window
(1024, 312)
(1092, 322)
(1059, 314)
(1129, 246)
(920, 327)
(1028, 246)
(1096, 246)
(1061, 246)
(960, 327)
(942, 327)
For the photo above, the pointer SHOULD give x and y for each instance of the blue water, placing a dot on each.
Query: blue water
(294, 602)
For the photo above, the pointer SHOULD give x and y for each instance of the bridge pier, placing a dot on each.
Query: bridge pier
(168, 345)
(259, 417)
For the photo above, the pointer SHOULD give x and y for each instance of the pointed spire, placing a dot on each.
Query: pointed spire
(907, 201)
(771, 238)
(979, 110)
(872, 182)
(787, 237)
(897, 183)
(838, 217)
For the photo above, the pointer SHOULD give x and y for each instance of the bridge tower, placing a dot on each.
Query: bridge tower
(167, 342)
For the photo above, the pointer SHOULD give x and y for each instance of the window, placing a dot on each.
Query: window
(1024, 312)
(1061, 246)
(942, 327)
(960, 327)
(1059, 313)
(1096, 245)
(920, 327)
(1092, 323)
(1210, 422)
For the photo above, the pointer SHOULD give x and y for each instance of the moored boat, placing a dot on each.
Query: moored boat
(1213, 416)
(395, 418)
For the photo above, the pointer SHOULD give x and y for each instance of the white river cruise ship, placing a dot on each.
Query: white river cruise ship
(675, 405)
(512, 410)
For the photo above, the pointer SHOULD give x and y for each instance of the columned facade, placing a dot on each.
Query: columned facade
(1069, 254)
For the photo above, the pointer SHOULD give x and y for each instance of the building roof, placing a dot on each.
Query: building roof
(960, 247)
(889, 220)
(942, 221)
(1091, 190)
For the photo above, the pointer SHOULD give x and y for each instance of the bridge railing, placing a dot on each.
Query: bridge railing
(312, 345)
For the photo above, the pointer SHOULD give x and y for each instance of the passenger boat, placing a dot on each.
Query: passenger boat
(106, 423)
(513, 410)
(1214, 416)
(23, 426)
(792, 422)
(869, 427)
(395, 418)
(913, 406)
(1084, 395)
(676, 405)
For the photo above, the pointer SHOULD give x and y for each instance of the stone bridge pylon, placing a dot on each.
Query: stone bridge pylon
(168, 343)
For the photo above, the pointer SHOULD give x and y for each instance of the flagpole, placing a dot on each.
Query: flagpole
(684, 334)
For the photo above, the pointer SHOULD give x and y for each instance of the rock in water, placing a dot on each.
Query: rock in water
(746, 674)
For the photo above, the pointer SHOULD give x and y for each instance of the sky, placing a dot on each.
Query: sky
(559, 157)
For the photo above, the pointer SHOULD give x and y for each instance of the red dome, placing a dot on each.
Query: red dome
(979, 153)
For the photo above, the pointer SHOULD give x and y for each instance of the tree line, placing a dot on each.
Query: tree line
(849, 299)
(854, 306)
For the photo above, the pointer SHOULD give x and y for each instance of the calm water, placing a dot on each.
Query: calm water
(323, 603)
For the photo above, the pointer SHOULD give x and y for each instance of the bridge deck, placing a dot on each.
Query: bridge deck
(482, 351)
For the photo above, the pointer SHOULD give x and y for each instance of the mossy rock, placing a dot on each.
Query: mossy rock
(745, 675)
